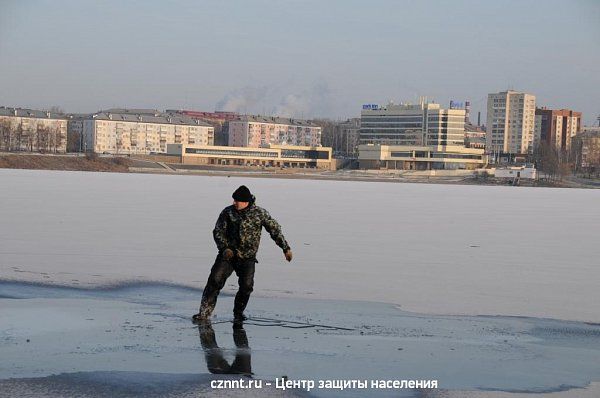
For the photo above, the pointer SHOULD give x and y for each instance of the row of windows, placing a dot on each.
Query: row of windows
(304, 154)
(391, 119)
(390, 130)
(392, 125)
(422, 154)
(231, 152)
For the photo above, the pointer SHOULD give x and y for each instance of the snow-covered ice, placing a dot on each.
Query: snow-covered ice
(443, 249)
(487, 289)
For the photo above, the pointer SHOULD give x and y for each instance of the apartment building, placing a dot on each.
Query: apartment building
(511, 123)
(32, 130)
(590, 147)
(219, 120)
(557, 127)
(423, 124)
(347, 137)
(140, 131)
(260, 131)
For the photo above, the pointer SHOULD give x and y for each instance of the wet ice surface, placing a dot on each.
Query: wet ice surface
(91, 337)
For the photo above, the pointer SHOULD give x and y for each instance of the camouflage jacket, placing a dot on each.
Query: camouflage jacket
(240, 230)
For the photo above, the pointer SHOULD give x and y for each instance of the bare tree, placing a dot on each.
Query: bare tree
(59, 139)
(5, 135)
(546, 159)
(31, 138)
(17, 134)
(42, 138)
(56, 109)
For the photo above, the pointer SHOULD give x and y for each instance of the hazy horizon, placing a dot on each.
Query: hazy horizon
(306, 59)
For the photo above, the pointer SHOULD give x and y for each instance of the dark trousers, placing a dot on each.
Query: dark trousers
(221, 270)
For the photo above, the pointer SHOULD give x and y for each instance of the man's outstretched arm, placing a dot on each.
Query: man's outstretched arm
(274, 229)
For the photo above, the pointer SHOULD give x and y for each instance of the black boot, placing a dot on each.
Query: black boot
(239, 317)
(203, 314)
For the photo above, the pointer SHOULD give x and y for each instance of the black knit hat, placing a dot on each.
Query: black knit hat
(242, 194)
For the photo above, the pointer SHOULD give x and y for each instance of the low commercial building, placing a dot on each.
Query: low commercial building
(404, 157)
(282, 156)
(516, 172)
(260, 131)
(139, 131)
(32, 130)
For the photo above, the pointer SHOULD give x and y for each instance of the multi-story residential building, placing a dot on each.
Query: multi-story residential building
(32, 130)
(260, 131)
(140, 131)
(349, 137)
(510, 122)
(557, 127)
(590, 147)
(219, 120)
(423, 124)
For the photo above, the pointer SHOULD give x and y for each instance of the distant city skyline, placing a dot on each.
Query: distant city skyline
(303, 59)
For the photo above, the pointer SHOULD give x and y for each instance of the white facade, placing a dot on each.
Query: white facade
(260, 131)
(516, 172)
(410, 157)
(131, 133)
(511, 122)
(408, 124)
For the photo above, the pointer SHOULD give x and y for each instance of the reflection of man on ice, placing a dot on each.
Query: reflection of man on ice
(215, 360)
(237, 235)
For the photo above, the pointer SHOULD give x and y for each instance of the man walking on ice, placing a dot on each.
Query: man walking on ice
(237, 235)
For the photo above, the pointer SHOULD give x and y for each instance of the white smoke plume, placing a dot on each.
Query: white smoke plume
(315, 101)
(244, 100)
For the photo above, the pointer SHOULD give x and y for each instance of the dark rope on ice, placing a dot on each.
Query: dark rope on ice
(303, 324)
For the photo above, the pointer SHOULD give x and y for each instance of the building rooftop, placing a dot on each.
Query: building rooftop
(471, 128)
(133, 111)
(24, 112)
(277, 120)
(146, 116)
(589, 133)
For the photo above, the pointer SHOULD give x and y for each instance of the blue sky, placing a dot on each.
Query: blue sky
(296, 58)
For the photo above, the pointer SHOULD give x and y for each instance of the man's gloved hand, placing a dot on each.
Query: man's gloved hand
(227, 254)
(288, 254)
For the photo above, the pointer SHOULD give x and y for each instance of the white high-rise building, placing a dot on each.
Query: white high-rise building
(407, 124)
(511, 122)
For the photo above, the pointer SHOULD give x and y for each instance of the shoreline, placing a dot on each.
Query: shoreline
(133, 165)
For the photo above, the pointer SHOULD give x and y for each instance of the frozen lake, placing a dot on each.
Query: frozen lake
(99, 274)
(438, 249)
